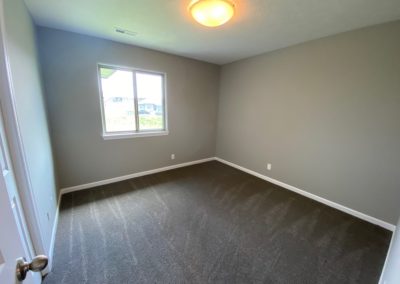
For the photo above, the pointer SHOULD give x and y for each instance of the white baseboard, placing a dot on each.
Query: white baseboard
(389, 258)
(53, 238)
(134, 175)
(332, 204)
(327, 202)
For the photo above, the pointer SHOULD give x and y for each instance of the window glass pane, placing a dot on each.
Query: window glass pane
(118, 100)
(150, 91)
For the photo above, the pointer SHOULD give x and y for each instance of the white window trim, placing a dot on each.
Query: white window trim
(125, 135)
(132, 134)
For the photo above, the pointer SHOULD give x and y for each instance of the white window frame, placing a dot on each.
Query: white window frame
(137, 133)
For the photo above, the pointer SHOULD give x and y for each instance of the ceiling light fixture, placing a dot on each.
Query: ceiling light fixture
(212, 13)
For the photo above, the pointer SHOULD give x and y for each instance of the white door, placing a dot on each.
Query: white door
(14, 243)
(14, 237)
(11, 246)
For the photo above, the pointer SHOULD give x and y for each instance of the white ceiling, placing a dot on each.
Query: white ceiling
(258, 26)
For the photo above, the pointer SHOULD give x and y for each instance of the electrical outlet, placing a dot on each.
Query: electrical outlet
(172, 156)
(269, 167)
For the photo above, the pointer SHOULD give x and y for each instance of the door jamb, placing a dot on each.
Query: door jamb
(16, 147)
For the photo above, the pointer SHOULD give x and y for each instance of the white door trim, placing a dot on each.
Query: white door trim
(16, 147)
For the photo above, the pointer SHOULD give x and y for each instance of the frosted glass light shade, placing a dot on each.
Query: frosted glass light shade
(212, 13)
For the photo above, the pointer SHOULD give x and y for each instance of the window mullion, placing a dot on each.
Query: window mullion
(135, 100)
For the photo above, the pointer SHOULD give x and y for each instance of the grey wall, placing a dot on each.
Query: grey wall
(69, 64)
(325, 113)
(30, 109)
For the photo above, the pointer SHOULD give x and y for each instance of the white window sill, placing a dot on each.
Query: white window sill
(111, 136)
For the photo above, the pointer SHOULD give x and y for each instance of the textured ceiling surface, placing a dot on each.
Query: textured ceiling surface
(258, 26)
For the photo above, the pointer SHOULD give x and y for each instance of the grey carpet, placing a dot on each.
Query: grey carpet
(210, 223)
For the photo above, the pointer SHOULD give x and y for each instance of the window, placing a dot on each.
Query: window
(132, 102)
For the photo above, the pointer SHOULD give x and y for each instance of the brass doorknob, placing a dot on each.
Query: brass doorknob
(37, 264)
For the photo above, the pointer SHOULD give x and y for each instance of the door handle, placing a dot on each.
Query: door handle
(37, 264)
